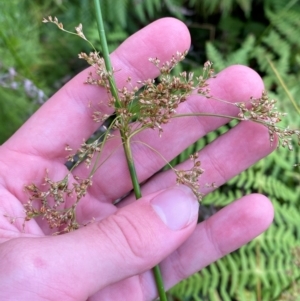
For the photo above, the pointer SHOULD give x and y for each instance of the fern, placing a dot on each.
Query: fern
(240, 56)
(225, 6)
(286, 22)
(264, 268)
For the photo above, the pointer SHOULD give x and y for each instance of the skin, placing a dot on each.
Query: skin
(111, 259)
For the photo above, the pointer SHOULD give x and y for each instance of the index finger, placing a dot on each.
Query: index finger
(66, 119)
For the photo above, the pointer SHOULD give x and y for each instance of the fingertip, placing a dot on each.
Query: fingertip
(255, 210)
(240, 83)
(256, 214)
(162, 39)
(177, 207)
(224, 232)
(260, 211)
(166, 34)
(240, 222)
(177, 32)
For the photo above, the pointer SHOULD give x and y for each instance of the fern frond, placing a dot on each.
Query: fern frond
(214, 55)
(240, 56)
(287, 23)
(264, 266)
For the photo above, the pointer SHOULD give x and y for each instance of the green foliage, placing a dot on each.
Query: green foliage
(263, 269)
(265, 266)
(14, 110)
(278, 43)
(239, 56)
(14, 50)
(16, 101)
(39, 52)
(224, 7)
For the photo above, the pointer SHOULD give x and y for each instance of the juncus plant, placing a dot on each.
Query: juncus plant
(137, 106)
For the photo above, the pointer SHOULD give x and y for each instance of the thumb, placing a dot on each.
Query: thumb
(129, 242)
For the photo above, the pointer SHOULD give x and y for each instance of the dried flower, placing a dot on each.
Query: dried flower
(191, 176)
(264, 111)
(54, 21)
(48, 202)
(167, 67)
(79, 31)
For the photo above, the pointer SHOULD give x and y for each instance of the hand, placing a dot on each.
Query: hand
(111, 259)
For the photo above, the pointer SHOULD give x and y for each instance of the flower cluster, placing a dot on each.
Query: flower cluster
(55, 21)
(191, 176)
(263, 110)
(49, 203)
(95, 60)
(137, 109)
(88, 150)
(168, 66)
(207, 73)
(158, 102)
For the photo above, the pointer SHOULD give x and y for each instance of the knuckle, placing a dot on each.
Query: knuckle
(212, 240)
(178, 266)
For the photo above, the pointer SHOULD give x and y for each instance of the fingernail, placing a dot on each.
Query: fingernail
(177, 207)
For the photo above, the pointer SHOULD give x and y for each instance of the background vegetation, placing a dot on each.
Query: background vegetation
(35, 61)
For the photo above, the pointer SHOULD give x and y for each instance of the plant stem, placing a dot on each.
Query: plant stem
(159, 283)
(105, 52)
(138, 194)
(131, 167)
(125, 139)
(285, 88)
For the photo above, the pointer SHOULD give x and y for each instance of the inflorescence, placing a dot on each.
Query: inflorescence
(136, 109)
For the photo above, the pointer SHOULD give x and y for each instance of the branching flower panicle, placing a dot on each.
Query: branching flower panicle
(78, 29)
(135, 110)
(168, 66)
(95, 60)
(263, 110)
(207, 73)
(54, 21)
(49, 203)
(158, 102)
(87, 151)
(191, 176)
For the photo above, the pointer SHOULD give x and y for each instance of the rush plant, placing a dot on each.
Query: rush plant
(137, 106)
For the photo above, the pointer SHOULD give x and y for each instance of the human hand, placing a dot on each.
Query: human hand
(111, 259)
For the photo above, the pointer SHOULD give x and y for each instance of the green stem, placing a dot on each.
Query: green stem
(137, 192)
(125, 139)
(290, 96)
(105, 52)
(132, 170)
(159, 283)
